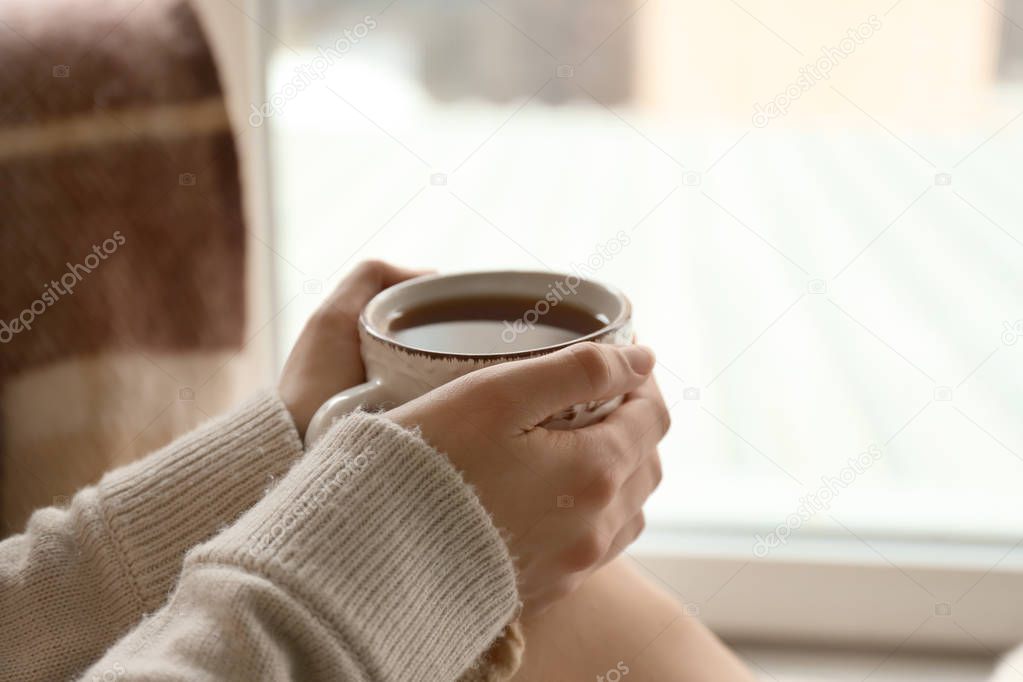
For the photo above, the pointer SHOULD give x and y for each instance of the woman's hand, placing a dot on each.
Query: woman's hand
(326, 358)
(567, 501)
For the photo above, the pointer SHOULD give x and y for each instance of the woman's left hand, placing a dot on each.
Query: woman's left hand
(326, 358)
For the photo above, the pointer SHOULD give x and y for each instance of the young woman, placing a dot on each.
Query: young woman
(381, 553)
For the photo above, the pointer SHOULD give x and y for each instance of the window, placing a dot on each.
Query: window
(819, 205)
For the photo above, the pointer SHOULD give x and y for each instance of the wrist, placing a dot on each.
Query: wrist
(377, 532)
(181, 495)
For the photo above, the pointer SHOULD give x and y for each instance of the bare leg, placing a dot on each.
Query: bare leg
(621, 621)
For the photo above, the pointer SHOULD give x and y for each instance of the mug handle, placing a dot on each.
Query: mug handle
(372, 394)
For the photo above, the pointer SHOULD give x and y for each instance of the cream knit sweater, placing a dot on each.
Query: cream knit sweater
(230, 555)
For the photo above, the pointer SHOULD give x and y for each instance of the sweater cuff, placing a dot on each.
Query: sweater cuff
(378, 534)
(158, 508)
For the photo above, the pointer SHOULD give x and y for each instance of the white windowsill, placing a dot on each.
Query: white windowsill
(847, 593)
(788, 664)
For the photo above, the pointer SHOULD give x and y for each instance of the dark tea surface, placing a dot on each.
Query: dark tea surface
(491, 324)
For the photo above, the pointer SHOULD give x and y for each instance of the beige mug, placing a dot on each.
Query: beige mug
(397, 372)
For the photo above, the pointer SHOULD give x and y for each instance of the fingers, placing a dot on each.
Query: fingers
(637, 426)
(640, 485)
(363, 283)
(613, 449)
(629, 505)
(628, 534)
(581, 373)
(648, 390)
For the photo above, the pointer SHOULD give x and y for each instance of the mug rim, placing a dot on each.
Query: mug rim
(613, 325)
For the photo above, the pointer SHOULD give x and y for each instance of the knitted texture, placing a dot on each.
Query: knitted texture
(78, 578)
(202, 483)
(371, 560)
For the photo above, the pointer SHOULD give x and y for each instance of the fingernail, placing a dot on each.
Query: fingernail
(640, 358)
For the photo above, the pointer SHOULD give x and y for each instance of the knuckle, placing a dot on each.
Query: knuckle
(332, 313)
(585, 553)
(665, 418)
(657, 469)
(556, 591)
(640, 525)
(562, 589)
(371, 266)
(602, 487)
(594, 365)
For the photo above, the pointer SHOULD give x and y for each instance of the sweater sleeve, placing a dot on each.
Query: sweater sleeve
(80, 577)
(371, 560)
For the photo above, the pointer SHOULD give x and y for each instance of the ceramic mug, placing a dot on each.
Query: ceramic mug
(397, 373)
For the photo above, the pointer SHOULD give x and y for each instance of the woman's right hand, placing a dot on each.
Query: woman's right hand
(566, 501)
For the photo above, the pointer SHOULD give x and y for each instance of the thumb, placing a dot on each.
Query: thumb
(581, 373)
(367, 280)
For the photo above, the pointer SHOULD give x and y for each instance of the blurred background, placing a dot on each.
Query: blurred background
(813, 207)
(816, 200)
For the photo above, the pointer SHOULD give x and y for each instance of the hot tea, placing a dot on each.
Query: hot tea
(492, 324)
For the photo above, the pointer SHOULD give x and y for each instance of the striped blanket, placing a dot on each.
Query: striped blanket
(122, 244)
